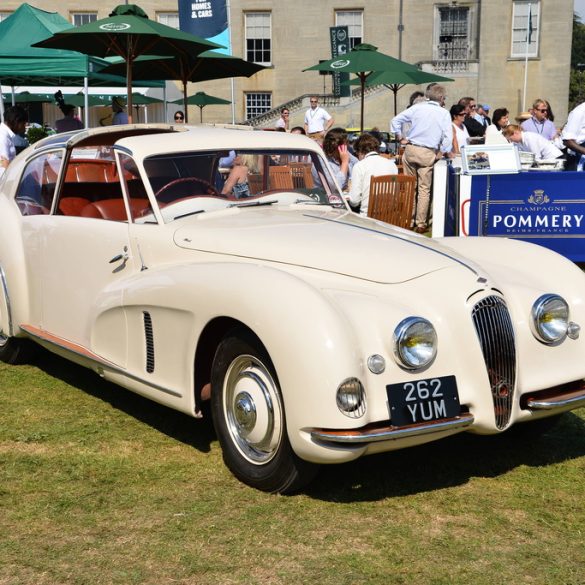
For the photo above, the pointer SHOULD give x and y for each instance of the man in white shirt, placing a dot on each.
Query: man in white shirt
(317, 120)
(15, 119)
(370, 164)
(531, 142)
(429, 137)
(573, 136)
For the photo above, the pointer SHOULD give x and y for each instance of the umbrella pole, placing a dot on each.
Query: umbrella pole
(201, 114)
(363, 84)
(185, 104)
(129, 88)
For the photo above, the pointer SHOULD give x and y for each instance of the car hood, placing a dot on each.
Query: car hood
(331, 240)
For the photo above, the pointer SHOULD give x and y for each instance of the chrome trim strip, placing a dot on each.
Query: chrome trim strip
(389, 433)
(561, 402)
(397, 237)
(103, 363)
(10, 331)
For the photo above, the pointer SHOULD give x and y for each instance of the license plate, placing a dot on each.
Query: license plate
(423, 401)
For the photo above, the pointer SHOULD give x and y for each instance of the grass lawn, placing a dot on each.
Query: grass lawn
(99, 486)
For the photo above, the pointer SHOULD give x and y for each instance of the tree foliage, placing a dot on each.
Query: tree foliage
(577, 83)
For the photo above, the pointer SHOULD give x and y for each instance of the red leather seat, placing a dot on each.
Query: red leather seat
(72, 205)
(114, 209)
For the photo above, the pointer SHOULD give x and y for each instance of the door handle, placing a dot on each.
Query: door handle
(118, 257)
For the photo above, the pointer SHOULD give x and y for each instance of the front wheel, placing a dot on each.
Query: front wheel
(249, 418)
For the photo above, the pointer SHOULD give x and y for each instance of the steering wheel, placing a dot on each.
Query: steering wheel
(210, 189)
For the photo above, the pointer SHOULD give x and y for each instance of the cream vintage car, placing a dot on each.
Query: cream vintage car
(317, 335)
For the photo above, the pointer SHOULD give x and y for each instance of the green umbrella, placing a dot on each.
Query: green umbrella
(364, 60)
(78, 100)
(25, 97)
(127, 33)
(187, 67)
(202, 99)
(396, 80)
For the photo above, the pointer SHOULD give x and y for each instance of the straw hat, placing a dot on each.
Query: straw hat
(118, 102)
(522, 116)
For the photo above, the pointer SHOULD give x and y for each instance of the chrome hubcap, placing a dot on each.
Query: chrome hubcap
(245, 412)
(252, 409)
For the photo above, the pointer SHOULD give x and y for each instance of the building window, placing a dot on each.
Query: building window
(81, 18)
(257, 104)
(354, 20)
(525, 29)
(168, 18)
(453, 34)
(4, 15)
(258, 37)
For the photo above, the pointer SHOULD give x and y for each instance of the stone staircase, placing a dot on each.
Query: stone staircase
(269, 118)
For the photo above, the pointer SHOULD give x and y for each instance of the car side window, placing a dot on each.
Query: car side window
(37, 185)
(91, 187)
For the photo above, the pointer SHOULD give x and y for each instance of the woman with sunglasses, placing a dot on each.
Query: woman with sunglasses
(283, 121)
(179, 117)
(539, 121)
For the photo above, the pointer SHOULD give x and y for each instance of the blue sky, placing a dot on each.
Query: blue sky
(580, 9)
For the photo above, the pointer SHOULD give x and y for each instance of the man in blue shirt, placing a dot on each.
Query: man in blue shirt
(430, 137)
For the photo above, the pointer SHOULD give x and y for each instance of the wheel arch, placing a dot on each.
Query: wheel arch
(209, 340)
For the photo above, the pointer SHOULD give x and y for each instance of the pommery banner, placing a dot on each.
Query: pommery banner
(208, 19)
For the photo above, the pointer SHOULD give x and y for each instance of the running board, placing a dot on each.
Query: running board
(80, 350)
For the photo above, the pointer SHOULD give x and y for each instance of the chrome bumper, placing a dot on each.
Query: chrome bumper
(561, 397)
(374, 433)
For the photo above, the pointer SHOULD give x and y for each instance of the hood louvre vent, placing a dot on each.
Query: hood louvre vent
(149, 339)
(496, 336)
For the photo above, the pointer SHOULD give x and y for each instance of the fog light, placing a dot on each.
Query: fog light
(351, 399)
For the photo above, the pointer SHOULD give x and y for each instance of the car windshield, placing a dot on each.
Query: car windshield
(194, 182)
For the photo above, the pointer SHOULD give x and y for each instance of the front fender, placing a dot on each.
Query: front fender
(310, 341)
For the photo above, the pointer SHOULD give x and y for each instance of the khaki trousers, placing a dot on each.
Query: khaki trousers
(418, 162)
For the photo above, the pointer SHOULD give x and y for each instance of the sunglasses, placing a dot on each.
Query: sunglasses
(179, 118)
(285, 113)
(313, 101)
(542, 111)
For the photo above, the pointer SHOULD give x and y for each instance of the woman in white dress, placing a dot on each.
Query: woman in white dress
(460, 133)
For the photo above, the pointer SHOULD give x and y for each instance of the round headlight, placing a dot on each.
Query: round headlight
(550, 318)
(415, 343)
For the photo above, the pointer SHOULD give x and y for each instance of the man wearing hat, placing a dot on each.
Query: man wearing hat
(120, 116)
(482, 115)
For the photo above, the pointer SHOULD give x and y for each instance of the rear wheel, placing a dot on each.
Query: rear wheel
(249, 418)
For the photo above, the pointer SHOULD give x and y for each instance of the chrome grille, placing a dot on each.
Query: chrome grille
(149, 337)
(496, 336)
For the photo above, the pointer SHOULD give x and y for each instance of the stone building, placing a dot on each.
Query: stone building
(491, 49)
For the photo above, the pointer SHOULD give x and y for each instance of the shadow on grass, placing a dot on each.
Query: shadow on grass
(181, 427)
(446, 463)
(450, 462)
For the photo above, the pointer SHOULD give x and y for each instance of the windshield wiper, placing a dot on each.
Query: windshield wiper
(311, 202)
(188, 214)
(252, 203)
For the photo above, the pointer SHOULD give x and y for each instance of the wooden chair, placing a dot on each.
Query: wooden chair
(281, 178)
(301, 174)
(255, 183)
(392, 199)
